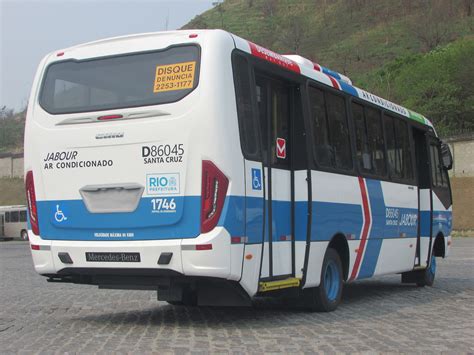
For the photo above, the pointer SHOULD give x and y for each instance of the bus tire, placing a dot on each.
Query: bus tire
(423, 277)
(24, 235)
(427, 276)
(327, 296)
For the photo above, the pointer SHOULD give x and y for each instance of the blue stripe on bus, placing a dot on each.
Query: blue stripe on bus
(330, 72)
(377, 230)
(241, 217)
(442, 223)
(371, 257)
(348, 88)
(143, 223)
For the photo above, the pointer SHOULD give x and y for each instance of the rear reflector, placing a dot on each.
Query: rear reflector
(204, 247)
(213, 192)
(40, 247)
(238, 240)
(31, 201)
(196, 247)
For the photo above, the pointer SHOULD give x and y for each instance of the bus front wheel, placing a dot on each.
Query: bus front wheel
(427, 276)
(423, 277)
(327, 296)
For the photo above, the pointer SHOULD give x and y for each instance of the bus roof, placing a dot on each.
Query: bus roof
(293, 63)
(325, 76)
(11, 208)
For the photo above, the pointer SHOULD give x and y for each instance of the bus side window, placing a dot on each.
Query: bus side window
(438, 173)
(376, 141)
(362, 146)
(403, 145)
(248, 131)
(323, 149)
(7, 217)
(369, 140)
(393, 153)
(15, 216)
(398, 148)
(339, 132)
(330, 130)
(22, 216)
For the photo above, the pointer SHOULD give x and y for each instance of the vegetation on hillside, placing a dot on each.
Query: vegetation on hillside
(418, 53)
(12, 126)
(439, 84)
(398, 49)
(12, 192)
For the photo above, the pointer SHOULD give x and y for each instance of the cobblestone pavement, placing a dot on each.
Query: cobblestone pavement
(377, 315)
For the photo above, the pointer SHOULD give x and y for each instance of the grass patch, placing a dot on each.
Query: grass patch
(12, 192)
(463, 233)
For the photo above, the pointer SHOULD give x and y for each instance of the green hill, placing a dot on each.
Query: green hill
(418, 53)
(12, 127)
(382, 45)
(12, 191)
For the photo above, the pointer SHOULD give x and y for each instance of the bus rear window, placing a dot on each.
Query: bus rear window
(130, 80)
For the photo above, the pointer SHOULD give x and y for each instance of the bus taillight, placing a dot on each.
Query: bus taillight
(31, 200)
(214, 190)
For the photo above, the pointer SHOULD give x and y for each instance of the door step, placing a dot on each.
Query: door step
(278, 284)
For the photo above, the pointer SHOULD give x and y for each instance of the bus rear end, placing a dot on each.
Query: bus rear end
(127, 166)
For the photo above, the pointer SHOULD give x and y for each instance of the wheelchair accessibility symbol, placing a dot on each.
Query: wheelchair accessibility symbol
(256, 179)
(59, 216)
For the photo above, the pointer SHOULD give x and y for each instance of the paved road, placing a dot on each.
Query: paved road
(376, 315)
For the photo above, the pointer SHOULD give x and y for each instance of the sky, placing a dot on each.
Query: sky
(30, 29)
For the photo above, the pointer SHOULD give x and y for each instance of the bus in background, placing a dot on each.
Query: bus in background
(212, 170)
(14, 222)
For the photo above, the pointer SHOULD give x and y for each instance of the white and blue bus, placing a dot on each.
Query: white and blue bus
(212, 170)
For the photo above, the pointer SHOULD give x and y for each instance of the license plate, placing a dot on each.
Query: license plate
(113, 257)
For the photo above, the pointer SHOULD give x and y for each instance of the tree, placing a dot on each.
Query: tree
(269, 8)
(294, 29)
(221, 11)
(432, 29)
(468, 5)
(6, 113)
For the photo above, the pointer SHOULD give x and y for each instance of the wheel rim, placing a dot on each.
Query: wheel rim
(433, 265)
(331, 281)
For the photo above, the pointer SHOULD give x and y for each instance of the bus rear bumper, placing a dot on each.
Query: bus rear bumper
(214, 255)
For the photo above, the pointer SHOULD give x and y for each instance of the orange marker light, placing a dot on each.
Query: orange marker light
(249, 256)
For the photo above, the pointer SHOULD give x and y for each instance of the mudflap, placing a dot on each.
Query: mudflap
(215, 292)
(204, 292)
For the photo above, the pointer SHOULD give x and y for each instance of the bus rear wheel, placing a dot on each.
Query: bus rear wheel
(327, 296)
(24, 235)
